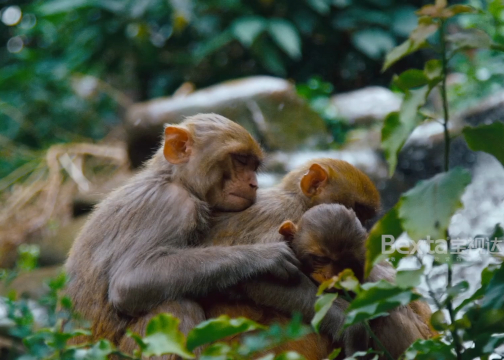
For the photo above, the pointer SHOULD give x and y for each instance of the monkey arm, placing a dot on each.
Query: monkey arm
(147, 279)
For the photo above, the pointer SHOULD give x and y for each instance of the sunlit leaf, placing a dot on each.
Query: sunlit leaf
(426, 210)
(247, 29)
(487, 138)
(430, 349)
(289, 355)
(163, 336)
(397, 54)
(286, 36)
(216, 351)
(433, 70)
(389, 225)
(322, 306)
(376, 299)
(99, 351)
(397, 127)
(409, 278)
(219, 328)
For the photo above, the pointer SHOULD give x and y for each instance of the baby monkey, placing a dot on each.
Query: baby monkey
(328, 239)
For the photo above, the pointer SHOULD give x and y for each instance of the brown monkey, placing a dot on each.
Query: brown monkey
(330, 238)
(139, 253)
(317, 182)
(327, 240)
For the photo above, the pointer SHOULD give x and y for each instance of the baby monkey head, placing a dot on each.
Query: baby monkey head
(328, 239)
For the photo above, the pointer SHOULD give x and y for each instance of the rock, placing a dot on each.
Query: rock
(266, 106)
(365, 106)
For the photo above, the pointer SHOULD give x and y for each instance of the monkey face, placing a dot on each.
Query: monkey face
(216, 160)
(239, 184)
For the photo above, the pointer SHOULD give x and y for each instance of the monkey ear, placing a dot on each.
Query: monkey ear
(177, 145)
(288, 229)
(314, 180)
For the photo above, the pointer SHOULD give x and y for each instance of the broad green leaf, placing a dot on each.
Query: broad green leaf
(430, 349)
(397, 127)
(99, 351)
(286, 36)
(163, 336)
(219, 328)
(494, 299)
(426, 210)
(457, 289)
(409, 79)
(217, 351)
(269, 56)
(322, 306)
(388, 225)
(373, 42)
(426, 27)
(247, 29)
(487, 138)
(376, 299)
(397, 54)
(409, 278)
(433, 70)
(417, 39)
(289, 355)
(460, 9)
(486, 275)
(215, 43)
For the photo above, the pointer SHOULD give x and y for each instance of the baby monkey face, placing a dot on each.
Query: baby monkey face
(328, 239)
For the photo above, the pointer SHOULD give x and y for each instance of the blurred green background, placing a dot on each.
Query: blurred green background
(69, 67)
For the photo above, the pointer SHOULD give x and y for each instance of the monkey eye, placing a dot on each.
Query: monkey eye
(320, 260)
(242, 159)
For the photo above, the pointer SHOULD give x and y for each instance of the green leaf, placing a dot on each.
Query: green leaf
(215, 43)
(322, 306)
(426, 210)
(417, 40)
(486, 275)
(99, 351)
(163, 336)
(219, 328)
(289, 355)
(409, 278)
(430, 349)
(269, 56)
(397, 54)
(373, 42)
(376, 299)
(286, 36)
(397, 127)
(433, 70)
(411, 78)
(217, 351)
(247, 29)
(390, 225)
(460, 9)
(63, 6)
(487, 138)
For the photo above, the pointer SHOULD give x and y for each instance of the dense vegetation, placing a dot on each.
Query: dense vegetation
(34, 86)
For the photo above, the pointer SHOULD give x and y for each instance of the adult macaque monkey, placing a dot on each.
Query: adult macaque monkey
(317, 182)
(140, 254)
(321, 181)
(330, 238)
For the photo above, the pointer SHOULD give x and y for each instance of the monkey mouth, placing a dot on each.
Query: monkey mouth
(251, 199)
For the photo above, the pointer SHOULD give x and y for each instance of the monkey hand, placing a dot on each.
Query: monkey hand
(280, 263)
